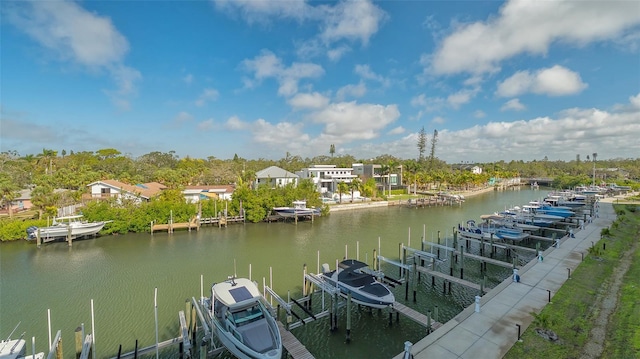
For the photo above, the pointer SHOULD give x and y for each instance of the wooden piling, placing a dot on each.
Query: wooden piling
(79, 341)
(349, 318)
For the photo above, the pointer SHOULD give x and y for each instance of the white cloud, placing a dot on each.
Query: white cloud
(430, 104)
(553, 81)
(259, 11)
(235, 123)
(396, 131)
(207, 95)
(77, 35)
(438, 120)
(351, 91)
(182, 117)
(336, 54)
(340, 21)
(513, 105)
(349, 121)
(206, 125)
(308, 101)
(531, 27)
(188, 79)
(479, 114)
(268, 65)
(635, 101)
(574, 131)
(461, 97)
(278, 134)
(365, 72)
(351, 20)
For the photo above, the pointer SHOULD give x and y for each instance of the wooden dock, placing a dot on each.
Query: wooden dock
(416, 316)
(293, 346)
(170, 227)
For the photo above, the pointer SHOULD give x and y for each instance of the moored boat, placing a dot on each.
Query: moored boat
(351, 277)
(241, 320)
(16, 348)
(66, 227)
(299, 208)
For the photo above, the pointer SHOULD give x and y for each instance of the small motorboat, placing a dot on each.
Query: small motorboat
(352, 276)
(241, 320)
(65, 227)
(16, 348)
(299, 209)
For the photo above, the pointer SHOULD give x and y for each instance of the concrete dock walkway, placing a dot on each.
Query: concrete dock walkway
(492, 331)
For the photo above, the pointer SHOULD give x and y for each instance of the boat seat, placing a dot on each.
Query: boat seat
(257, 335)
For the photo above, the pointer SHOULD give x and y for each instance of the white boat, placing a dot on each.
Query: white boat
(299, 209)
(351, 277)
(65, 227)
(241, 320)
(16, 348)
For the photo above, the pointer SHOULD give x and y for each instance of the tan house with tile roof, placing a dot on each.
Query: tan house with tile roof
(112, 188)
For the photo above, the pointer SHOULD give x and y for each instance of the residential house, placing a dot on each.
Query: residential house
(275, 176)
(20, 203)
(327, 177)
(120, 190)
(194, 194)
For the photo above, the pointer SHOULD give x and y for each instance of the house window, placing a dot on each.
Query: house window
(105, 192)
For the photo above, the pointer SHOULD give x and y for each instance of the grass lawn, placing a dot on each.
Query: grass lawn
(575, 307)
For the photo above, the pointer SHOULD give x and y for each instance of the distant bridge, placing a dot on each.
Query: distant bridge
(542, 181)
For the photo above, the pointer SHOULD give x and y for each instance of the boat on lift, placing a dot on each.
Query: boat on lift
(242, 321)
(353, 276)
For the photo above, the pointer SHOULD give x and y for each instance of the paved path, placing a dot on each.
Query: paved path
(491, 332)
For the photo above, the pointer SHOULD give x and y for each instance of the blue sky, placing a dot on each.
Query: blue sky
(498, 80)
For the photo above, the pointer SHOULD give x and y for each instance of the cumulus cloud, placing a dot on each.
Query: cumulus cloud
(365, 72)
(351, 91)
(613, 134)
(352, 20)
(207, 95)
(282, 132)
(77, 35)
(513, 105)
(461, 97)
(181, 118)
(268, 65)
(397, 131)
(303, 101)
(531, 27)
(553, 81)
(479, 114)
(339, 22)
(349, 121)
(206, 125)
(235, 123)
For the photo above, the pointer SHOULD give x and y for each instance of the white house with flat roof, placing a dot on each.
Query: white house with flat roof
(327, 177)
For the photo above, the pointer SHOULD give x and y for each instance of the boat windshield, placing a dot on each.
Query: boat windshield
(248, 315)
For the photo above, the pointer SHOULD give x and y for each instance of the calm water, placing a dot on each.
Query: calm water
(120, 273)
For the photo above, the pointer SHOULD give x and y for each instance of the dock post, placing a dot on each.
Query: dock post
(69, 238)
(59, 348)
(413, 280)
(435, 313)
(438, 244)
(401, 259)
(492, 249)
(375, 260)
(349, 318)
(79, 341)
(462, 262)
(451, 265)
(428, 322)
(482, 245)
(38, 238)
(203, 349)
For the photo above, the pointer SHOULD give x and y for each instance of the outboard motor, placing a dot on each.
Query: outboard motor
(32, 232)
(325, 268)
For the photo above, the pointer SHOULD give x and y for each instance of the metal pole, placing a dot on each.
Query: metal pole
(155, 311)
(93, 333)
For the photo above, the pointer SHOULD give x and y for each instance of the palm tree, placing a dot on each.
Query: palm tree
(8, 192)
(355, 185)
(343, 187)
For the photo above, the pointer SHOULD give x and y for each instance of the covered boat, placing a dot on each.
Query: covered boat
(352, 277)
(241, 320)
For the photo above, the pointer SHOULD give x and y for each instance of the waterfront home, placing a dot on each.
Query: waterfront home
(123, 191)
(195, 194)
(275, 176)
